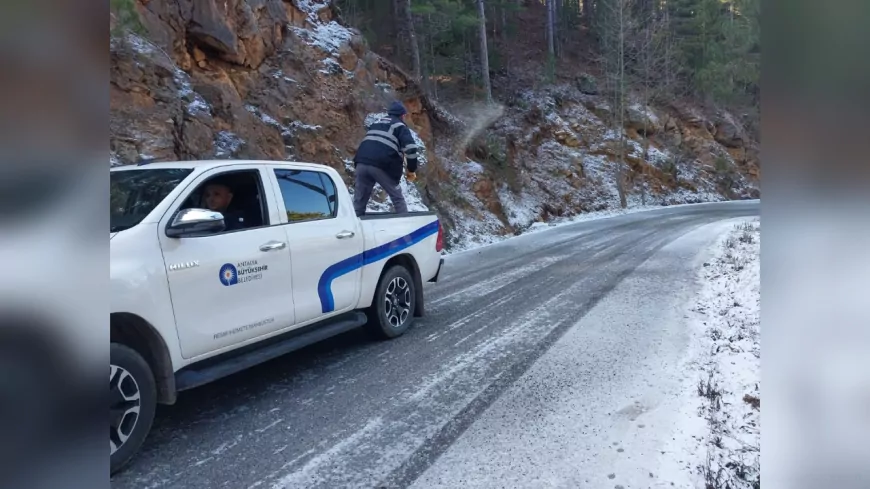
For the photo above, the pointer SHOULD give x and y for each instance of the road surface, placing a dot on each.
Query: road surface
(536, 363)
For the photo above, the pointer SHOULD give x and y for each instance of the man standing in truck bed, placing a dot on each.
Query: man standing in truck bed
(379, 159)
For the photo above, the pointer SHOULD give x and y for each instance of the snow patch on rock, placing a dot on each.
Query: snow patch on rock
(421, 148)
(266, 118)
(521, 210)
(195, 104)
(329, 37)
(227, 144)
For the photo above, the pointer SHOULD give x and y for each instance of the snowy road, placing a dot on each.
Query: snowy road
(546, 360)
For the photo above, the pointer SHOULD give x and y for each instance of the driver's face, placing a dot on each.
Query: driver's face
(218, 197)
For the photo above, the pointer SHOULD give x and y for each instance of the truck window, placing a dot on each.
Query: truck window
(308, 195)
(133, 194)
(236, 194)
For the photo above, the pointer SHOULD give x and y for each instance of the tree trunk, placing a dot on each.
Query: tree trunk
(494, 13)
(621, 25)
(588, 13)
(412, 36)
(484, 52)
(669, 88)
(503, 23)
(432, 82)
(551, 42)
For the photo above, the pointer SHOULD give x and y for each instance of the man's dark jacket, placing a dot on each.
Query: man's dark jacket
(385, 142)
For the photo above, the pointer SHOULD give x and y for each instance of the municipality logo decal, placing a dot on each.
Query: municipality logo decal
(228, 275)
(242, 272)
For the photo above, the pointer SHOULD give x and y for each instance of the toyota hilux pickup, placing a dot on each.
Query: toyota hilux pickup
(198, 294)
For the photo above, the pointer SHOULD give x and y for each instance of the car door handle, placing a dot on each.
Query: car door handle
(345, 235)
(273, 245)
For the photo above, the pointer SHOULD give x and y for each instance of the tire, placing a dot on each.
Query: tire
(392, 309)
(132, 401)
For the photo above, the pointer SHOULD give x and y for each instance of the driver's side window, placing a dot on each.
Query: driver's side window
(238, 195)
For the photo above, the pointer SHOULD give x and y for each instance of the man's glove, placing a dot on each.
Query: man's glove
(412, 177)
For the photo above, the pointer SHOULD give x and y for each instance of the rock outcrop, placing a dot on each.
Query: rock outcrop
(266, 79)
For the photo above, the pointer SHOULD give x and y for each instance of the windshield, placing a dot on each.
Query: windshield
(135, 193)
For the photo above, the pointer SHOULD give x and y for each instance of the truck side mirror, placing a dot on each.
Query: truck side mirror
(195, 222)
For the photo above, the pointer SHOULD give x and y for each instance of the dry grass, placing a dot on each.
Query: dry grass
(731, 463)
(752, 401)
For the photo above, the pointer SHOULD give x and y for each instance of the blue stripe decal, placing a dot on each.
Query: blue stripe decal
(324, 285)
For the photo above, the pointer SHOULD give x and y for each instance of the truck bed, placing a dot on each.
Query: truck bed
(372, 216)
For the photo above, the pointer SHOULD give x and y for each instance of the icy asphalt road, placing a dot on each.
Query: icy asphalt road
(536, 363)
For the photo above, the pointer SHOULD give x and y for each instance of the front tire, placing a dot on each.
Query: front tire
(392, 310)
(132, 403)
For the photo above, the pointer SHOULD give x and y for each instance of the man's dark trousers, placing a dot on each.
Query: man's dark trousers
(366, 178)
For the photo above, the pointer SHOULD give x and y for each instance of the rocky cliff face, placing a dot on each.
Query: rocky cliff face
(551, 155)
(246, 79)
(286, 80)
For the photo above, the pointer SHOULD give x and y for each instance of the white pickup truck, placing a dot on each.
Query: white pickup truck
(197, 295)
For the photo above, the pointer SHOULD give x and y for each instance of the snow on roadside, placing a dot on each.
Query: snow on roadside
(721, 436)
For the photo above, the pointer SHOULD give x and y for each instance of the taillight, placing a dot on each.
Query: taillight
(439, 243)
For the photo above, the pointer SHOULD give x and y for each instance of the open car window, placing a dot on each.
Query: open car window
(246, 210)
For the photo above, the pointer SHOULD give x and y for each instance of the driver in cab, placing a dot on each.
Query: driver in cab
(218, 197)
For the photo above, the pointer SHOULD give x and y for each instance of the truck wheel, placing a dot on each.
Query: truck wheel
(132, 403)
(392, 310)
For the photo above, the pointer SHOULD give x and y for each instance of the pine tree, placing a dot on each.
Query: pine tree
(126, 17)
(716, 44)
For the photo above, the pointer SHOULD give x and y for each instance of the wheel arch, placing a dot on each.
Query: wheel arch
(408, 262)
(133, 331)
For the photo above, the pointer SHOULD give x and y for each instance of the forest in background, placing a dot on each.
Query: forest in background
(709, 50)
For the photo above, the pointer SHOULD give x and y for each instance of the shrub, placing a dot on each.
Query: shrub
(722, 165)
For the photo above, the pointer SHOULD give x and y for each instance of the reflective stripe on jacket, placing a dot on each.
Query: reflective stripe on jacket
(387, 139)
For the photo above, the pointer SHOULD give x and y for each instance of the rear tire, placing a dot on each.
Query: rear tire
(133, 402)
(392, 309)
